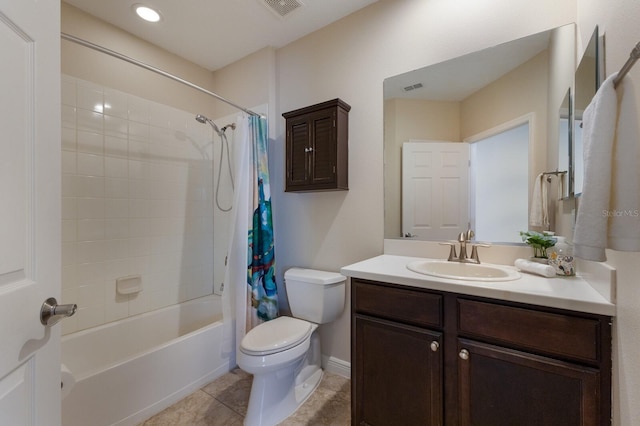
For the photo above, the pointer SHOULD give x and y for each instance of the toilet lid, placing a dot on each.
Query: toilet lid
(275, 336)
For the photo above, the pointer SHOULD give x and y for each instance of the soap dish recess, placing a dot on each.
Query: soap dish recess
(129, 284)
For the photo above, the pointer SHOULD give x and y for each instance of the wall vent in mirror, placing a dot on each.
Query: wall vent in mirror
(413, 87)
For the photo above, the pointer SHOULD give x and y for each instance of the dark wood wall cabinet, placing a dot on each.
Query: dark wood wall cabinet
(317, 147)
(423, 357)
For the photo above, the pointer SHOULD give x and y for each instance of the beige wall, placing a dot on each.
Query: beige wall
(350, 59)
(249, 82)
(518, 93)
(85, 63)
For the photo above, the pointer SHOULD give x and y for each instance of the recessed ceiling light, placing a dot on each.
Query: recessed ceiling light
(147, 13)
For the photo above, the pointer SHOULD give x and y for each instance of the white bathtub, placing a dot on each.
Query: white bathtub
(131, 369)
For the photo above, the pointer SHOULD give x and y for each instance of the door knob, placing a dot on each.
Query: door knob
(51, 312)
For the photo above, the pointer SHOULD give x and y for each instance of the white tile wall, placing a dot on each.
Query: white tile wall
(137, 199)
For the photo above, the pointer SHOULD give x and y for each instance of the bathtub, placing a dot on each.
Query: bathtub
(129, 370)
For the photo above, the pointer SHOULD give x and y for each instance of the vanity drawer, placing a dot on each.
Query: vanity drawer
(569, 336)
(404, 305)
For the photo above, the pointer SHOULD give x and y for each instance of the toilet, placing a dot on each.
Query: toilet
(284, 354)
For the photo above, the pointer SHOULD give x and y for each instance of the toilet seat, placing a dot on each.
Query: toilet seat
(275, 336)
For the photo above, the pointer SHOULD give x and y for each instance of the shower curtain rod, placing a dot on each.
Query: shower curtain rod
(633, 57)
(153, 69)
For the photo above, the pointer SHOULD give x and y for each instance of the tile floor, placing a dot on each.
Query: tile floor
(223, 402)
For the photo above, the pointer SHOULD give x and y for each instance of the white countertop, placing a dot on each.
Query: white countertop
(572, 293)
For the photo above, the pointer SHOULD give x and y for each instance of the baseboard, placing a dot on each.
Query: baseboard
(336, 366)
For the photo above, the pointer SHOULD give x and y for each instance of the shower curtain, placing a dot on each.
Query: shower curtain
(261, 266)
(250, 282)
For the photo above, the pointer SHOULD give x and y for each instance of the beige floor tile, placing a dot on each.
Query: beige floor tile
(198, 409)
(224, 402)
(232, 389)
(330, 404)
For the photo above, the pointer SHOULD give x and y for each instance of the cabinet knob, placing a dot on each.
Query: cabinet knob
(308, 150)
(434, 346)
(464, 354)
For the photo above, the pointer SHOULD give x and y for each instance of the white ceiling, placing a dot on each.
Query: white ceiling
(215, 33)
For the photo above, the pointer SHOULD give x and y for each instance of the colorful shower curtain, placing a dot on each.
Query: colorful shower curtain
(261, 277)
(250, 295)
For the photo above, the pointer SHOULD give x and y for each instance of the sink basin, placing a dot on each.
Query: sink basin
(463, 271)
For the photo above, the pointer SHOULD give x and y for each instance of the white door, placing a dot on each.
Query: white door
(435, 189)
(29, 210)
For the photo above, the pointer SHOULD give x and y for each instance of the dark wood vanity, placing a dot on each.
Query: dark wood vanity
(427, 357)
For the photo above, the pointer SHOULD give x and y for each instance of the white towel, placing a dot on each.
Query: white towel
(624, 218)
(539, 214)
(609, 209)
(535, 268)
(560, 194)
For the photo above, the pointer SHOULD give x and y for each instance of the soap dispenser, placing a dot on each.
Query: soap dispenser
(561, 258)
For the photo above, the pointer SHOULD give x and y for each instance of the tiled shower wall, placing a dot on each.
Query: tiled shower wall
(137, 187)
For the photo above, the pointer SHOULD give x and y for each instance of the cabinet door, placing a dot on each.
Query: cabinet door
(298, 141)
(323, 147)
(500, 386)
(398, 374)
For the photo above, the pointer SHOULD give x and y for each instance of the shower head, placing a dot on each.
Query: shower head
(202, 119)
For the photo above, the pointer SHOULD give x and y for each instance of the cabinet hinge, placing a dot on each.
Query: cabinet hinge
(334, 123)
(334, 170)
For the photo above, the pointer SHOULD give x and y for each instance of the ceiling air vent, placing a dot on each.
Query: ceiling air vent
(413, 87)
(282, 7)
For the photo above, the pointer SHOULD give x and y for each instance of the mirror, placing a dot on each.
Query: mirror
(587, 81)
(565, 145)
(468, 99)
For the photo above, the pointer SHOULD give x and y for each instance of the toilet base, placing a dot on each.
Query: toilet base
(306, 388)
(274, 397)
(277, 394)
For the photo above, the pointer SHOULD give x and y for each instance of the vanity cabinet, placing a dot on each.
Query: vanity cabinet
(397, 351)
(317, 147)
(423, 357)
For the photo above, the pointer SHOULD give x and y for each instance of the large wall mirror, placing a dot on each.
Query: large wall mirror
(565, 143)
(497, 107)
(588, 78)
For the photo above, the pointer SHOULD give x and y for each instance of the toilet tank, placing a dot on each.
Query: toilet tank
(316, 296)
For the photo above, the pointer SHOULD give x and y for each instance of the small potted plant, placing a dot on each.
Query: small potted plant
(540, 242)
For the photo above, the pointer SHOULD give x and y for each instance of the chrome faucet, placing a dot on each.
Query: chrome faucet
(463, 239)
